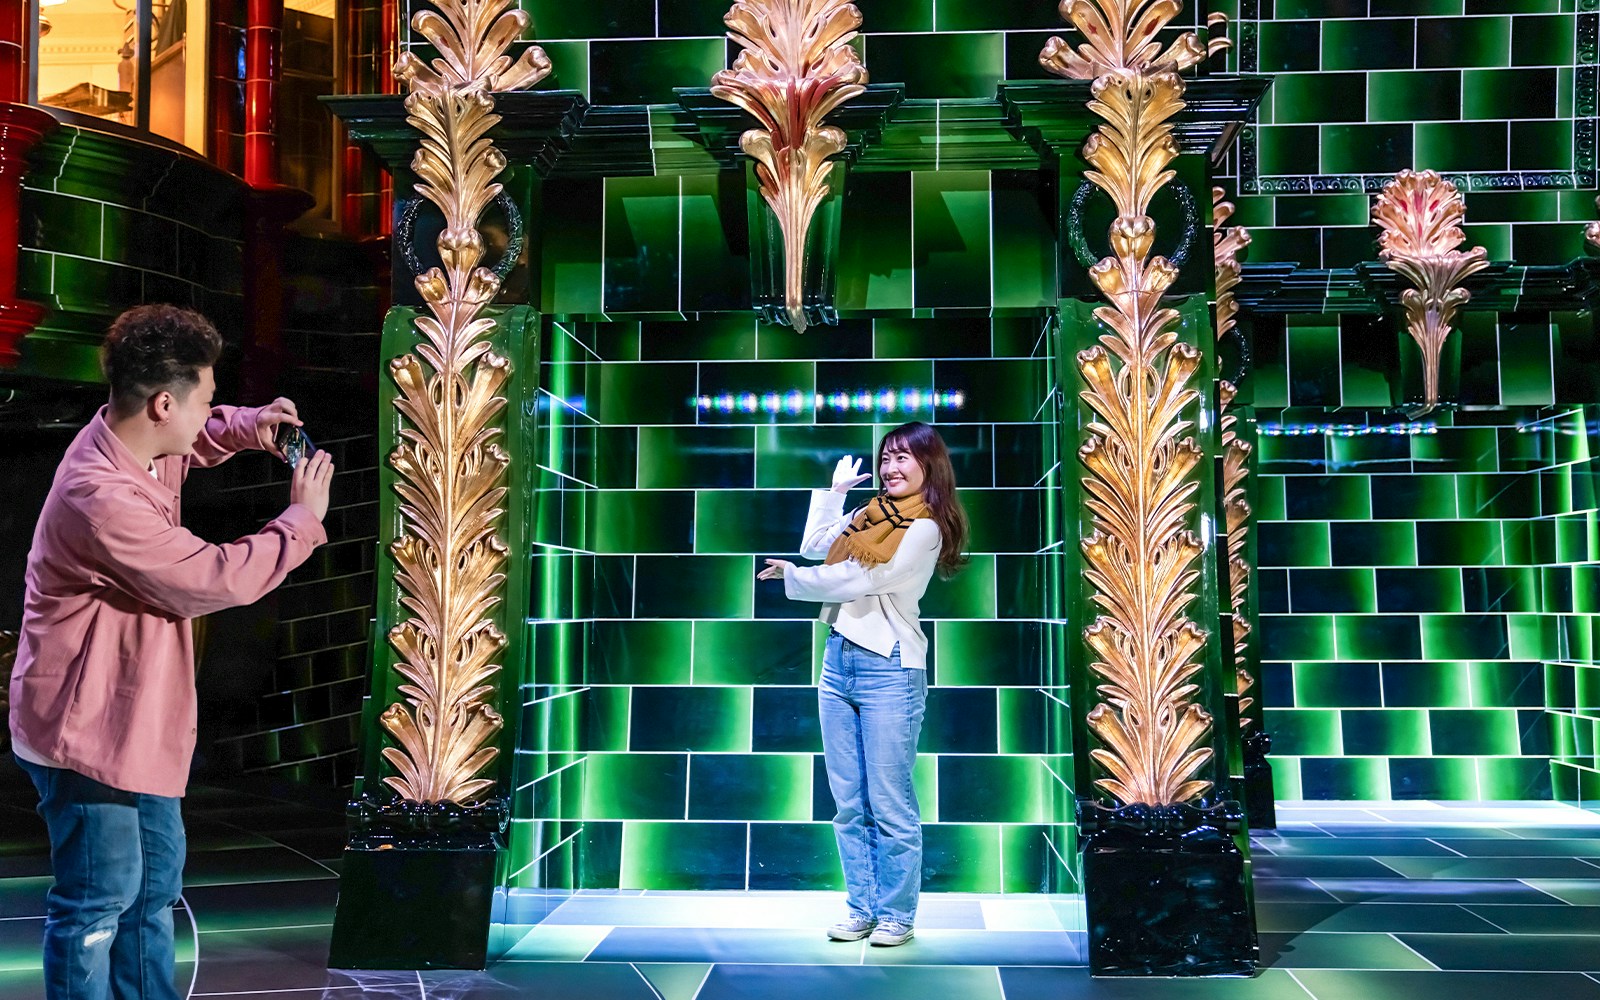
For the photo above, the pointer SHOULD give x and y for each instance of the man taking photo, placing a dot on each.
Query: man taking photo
(103, 700)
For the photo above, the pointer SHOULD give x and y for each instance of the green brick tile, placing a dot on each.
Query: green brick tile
(61, 223)
(785, 720)
(645, 71)
(1368, 43)
(644, 393)
(1418, 497)
(1303, 543)
(1300, 732)
(998, 653)
(683, 855)
(1332, 590)
(1345, 778)
(641, 212)
(694, 587)
(752, 652)
(1378, 453)
(960, 721)
(1327, 498)
(1528, 541)
(1377, 543)
(605, 718)
(1459, 637)
(1297, 637)
(757, 787)
(1506, 683)
(1473, 732)
(1451, 146)
(1436, 589)
(966, 785)
(1316, 98)
(1345, 684)
(875, 262)
(1495, 588)
(965, 65)
(1513, 778)
(1287, 455)
(634, 786)
(1314, 362)
(703, 719)
(1289, 10)
(627, 652)
(1415, 8)
(961, 857)
(1509, 495)
(1463, 41)
(969, 594)
(1543, 40)
(951, 228)
(803, 457)
(794, 856)
(1360, 149)
(994, 390)
(690, 457)
(1022, 720)
(1373, 637)
(550, 19)
(1427, 684)
(1385, 731)
(725, 522)
(1508, 93)
(1290, 46)
(1433, 778)
(628, 521)
(996, 15)
(1286, 149)
(1456, 449)
(1454, 543)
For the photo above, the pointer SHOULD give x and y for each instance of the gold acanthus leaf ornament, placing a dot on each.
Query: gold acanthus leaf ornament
(449, 461)
(797, 67)
(1141, 555)
(1421, 214)
(1228, 242)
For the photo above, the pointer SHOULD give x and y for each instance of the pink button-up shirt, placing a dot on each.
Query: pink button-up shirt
(104, 677)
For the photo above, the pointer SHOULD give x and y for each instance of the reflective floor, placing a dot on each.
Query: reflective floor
(1356, 901)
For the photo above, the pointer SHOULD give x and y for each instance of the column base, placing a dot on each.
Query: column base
(417, 885)
(1166, 892)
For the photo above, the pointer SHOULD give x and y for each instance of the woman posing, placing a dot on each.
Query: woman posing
(874, 687)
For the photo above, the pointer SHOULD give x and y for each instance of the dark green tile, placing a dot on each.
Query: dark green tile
(1332, 590)
(699, 586)
(1358, 149)
(689, 457)
(1377, 637)
(684, 855)
(627, 652)
(955, 65)
(1425, 589)
(951, 229)
(757, 787)
(628, 19)
(1463, 41)
(1385, 731)
(701, 719)
(644, 71)
(1368, 43)
(1508, 93)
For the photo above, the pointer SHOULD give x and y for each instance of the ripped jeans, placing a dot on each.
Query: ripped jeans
(118, 863)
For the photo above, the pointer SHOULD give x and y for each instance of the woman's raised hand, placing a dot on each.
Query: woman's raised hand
(847, 474)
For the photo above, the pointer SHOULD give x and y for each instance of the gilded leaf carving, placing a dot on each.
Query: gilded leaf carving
(796, 68)
(449, 461)
(1421, 215)
(1228, 242)
(1142, 558)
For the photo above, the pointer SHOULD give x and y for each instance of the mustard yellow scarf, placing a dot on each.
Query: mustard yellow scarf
(877, 530)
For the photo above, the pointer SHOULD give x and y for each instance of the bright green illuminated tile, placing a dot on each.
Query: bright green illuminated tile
(1385, 732)
(1433, 778)
(1022, 721)
(1461, 637)
(989, 653)
(1377, 637)
(752, 652)
(650, 652)
(691, 718)
(696, 457)
(684, 855)
(1344, 778)
(961, 857)
(1476, 732)
(634, 786)
(1298, 732)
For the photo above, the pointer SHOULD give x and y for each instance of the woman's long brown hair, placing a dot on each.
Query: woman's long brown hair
(938, 488)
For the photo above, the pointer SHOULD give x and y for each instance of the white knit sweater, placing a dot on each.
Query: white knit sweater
(873, 608)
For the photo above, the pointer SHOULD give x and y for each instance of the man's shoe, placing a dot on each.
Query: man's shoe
(854, 929)
(890, 933)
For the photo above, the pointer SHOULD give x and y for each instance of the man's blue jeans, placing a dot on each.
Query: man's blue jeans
(871, 709)
(118, 863)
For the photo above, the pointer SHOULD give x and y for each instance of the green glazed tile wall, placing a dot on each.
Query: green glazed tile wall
(669, 731)
(1424, 614)
(1499, 94)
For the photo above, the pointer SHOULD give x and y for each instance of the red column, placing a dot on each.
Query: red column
(21, 128)
(263, 41)
(224, 97)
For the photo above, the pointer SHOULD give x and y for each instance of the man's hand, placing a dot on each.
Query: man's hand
(309, 486)
(847, 474)
(775, 570)
(279, 411)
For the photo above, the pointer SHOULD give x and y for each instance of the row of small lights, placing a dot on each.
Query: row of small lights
(795, 401)
(1347, 430)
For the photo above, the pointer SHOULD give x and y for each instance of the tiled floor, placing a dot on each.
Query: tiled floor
(1355, 901)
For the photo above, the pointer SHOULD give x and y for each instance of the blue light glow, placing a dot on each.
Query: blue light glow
(796, 402)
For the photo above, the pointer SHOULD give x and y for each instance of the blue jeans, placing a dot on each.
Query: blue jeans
(871, 709)
(118, 863)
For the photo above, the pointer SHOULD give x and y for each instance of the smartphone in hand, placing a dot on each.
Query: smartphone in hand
(293, 444)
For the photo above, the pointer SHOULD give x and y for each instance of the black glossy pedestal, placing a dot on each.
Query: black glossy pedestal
(1259, 795)
(417, 886)
(1166, 893)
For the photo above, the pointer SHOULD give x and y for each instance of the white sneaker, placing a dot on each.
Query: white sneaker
(854, 929)
(890, 933)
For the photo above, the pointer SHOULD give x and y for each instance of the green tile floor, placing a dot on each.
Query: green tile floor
(1355, 901)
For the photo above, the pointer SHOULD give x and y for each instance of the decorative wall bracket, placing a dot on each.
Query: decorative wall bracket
(1421, 215)
(797, 66)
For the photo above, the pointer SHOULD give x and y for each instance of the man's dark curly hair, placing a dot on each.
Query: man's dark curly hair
(155, 348)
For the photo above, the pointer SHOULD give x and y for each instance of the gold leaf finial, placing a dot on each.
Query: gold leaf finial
(1421, 215)
(1228, 243)
(1143, 463)
(797, 67)
(450, 465)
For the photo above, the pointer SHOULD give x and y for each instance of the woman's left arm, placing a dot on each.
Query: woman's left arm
(913, 562)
